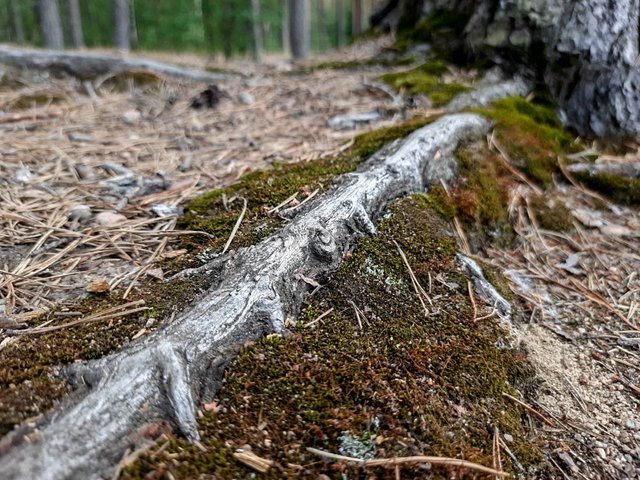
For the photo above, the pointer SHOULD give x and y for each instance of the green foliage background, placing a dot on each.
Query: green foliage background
(178, 25)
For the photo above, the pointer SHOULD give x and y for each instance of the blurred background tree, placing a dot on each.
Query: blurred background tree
(228, 27)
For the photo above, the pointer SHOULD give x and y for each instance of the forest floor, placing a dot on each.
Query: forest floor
(95, 177)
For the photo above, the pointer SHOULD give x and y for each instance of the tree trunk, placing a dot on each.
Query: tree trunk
(165, 376)
(585, 51)
(16, 20)
(299, 27)
(208, 26)
(227, 27)
(122, 25)
(322, 25)
(50, 24)
(256, 25)
(90, 65)
(134, 25)
(75, 23)
(286, 31)
(340, 24)
(356, 18)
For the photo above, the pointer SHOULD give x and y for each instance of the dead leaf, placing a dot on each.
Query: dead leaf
(98, 286)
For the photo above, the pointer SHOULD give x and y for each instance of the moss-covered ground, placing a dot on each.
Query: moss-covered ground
(426, 79)
(376, 373)
(28, 383)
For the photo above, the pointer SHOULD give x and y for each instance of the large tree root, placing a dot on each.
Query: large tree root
(89, 65)
(166, 375)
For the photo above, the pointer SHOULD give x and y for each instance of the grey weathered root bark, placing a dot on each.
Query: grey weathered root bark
(90, 65)
(166, 375)
(585, 51)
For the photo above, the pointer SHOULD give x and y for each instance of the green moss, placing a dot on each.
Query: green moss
(266, 189)
(420, 384)
(396, 61)
(551, 214)
(427, 80)
(28, 385)
(531, 135)
(620, 189)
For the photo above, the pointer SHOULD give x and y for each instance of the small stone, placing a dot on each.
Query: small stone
(631, 425)
(80, 137)
(601, 453)
(108, 219)
(508, 438)
(162, 210)
(131, 117)
(81, 213)
(150, 322)
(22, 175)
(246, 98)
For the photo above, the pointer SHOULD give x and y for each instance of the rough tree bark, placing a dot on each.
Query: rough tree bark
(166, 375)
(356, 17)
(585, 51)
(50, 24)
(122, 25)
(75, 23)
(299, 28)
(90, 65)
(284, 27)
(256, 26)
(340, 23)
(16, 21)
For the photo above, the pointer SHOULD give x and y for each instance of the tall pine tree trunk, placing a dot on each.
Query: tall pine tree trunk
(356, 18)
(299, 16)
(51, 25)
(286, 31)
(208, 24)
(256, 26)
(322, 24)
(122, 25)
(75, 23)
(340, 23)
(16, 20)
(227, 26)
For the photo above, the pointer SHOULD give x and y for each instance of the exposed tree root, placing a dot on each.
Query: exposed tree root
(166, 375)
(89, 65)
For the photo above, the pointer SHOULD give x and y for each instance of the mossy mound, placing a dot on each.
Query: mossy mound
(427, 79)
(374, 373)
(624, 190)
(28, 384)
(266, 189)
(27, 381)
(532, 136)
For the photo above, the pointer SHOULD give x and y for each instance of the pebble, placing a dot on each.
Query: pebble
(80, 212)
(508, 438)
(246, 98)
(131, 117)
(631, 425)
(601, 453)
(108, 219)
